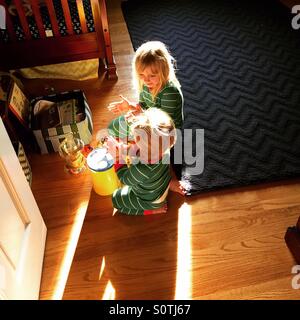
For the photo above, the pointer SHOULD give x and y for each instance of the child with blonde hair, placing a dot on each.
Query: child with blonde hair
(154, 76)
(145, 182)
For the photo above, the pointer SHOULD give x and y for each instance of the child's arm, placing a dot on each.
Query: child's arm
(132, 175)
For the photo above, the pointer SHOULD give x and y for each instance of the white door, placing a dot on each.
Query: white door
(22, 229)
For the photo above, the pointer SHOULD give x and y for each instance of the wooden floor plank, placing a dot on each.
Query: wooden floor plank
(227, 244)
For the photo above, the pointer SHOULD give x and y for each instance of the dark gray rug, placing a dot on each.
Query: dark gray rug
(239, 67)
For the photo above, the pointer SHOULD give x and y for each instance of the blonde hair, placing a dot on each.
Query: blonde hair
(155, 125)
(154, 54)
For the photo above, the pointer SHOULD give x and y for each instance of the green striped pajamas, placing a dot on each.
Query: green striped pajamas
(169, 99)
(143, 185)
(146, 183)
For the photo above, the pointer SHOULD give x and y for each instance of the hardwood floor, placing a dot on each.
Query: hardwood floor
(219, 245)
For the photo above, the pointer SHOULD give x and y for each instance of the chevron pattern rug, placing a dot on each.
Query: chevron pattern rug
(239, 66)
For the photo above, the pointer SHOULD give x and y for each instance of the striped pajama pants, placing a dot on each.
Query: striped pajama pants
(126, 201)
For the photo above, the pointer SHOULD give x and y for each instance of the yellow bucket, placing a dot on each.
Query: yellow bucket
(105, 179)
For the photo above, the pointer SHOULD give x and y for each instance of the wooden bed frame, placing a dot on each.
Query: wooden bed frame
(31, 52)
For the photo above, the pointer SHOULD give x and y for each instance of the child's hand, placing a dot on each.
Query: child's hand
(135, 109)
(119, 106)
(133, 112)
(118, 150)
(112, 145)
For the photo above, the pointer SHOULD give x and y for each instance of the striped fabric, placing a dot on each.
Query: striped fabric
(50, 139)
(47, 23)
(169, 99)
(24, 163)
(143, 185)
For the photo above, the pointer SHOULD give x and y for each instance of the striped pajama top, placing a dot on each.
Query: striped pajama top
(169, 99)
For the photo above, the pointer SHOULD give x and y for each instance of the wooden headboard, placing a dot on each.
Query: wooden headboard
(29, 42)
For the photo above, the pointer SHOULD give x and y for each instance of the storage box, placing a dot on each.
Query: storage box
(49, 139)
(14, 111)
(21, 107)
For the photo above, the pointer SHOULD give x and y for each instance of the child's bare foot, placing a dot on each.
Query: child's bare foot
(163, 209)
(176, 186)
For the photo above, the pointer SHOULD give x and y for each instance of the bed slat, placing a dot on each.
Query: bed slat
(10, 28)
(53, 19)
(38, 19)
(102, 31)
(81, 16)
(67, 15)
(23, 19)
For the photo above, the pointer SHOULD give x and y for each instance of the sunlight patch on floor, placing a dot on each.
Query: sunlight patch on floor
(184, 273)
(102, 268)
(69, 253)
(109, 292)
